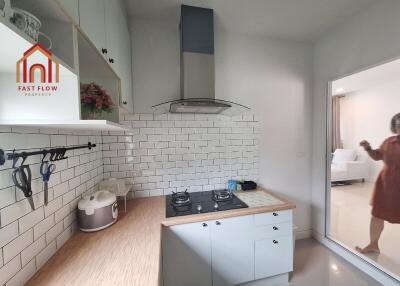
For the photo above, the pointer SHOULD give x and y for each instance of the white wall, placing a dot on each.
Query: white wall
(366, 115)
(370, 38)
(272, 77)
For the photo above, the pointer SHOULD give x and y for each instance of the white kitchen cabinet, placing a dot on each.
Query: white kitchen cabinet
(232, 248)
(105, 24)
(273, 256)
(229, 251)
(123, 64)
(187, 255)
(92, 22)
(113, 15)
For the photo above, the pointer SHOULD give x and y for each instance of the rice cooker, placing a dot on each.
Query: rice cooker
(97, 211)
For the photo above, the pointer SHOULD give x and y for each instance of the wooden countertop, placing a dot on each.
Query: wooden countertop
(129, 252)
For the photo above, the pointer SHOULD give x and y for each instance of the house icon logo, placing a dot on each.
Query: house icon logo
(48, 70)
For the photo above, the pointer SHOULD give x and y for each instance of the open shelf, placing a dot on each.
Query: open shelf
(55, 24)
(95, 125)
(94, 68)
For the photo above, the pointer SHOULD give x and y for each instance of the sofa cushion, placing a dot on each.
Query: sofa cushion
(344, 155)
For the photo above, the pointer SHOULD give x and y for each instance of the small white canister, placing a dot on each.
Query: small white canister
(97, 211)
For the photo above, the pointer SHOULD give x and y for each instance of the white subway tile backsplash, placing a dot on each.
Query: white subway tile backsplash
(23, 276)
(63, 237)
(45, 254)
(7, 197)
(8, 233)
(61, 213)
(32, 250)
(10, 269)
(29, 220)
(52, 233)
(13, 248)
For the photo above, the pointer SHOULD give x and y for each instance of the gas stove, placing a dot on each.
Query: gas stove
(185, 203)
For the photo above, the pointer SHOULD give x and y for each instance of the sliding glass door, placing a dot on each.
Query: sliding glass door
(363, 165)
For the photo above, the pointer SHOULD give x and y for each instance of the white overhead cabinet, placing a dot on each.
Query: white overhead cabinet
(105, 24)
(71, 7)
(229, 251)
(92, 22)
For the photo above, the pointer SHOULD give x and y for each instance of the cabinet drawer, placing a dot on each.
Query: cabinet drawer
(273, 256)
(273, 218)
(274, 230)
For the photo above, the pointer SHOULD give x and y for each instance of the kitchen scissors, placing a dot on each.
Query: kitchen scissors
(22, 178)
(46, 170)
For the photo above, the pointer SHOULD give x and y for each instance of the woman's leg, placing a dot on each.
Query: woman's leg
(375, 231)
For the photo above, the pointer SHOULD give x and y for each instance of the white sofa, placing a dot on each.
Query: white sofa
(348, 165)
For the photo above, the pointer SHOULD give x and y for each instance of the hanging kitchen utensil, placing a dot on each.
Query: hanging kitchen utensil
(46, 170)
(22, 178)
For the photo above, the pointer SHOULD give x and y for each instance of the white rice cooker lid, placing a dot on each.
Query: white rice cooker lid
(97, 200)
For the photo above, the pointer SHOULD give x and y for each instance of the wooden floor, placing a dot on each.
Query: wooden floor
(127, 253)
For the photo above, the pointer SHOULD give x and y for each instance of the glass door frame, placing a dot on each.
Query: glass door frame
(328, 154)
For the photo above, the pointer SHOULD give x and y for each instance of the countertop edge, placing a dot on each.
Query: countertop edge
(231, 213)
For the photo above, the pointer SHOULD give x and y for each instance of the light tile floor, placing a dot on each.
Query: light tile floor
(350, 217)
(316, 265)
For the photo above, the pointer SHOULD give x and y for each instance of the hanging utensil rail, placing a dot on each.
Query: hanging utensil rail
(56, 154)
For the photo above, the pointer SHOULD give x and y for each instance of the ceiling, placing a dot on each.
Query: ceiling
(379, 75)
(297, 20)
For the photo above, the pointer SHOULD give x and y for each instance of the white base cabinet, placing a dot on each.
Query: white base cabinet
(187, 255)
(229, 251)
(232, 251)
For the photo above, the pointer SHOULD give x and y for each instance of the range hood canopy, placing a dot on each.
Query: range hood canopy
(197, 68)
(201, 106)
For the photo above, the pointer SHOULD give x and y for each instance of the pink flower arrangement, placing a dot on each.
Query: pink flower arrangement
(94, 99)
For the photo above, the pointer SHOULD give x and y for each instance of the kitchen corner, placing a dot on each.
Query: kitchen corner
(130, 251)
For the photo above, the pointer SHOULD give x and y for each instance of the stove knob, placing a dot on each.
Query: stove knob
(216, 206)
(199, 207)
(204, 224)
(217, 223)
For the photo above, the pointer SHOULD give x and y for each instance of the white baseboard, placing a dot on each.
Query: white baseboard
(368, 268)
(303, 234)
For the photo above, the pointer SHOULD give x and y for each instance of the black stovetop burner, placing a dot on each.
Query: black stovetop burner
(184, 203)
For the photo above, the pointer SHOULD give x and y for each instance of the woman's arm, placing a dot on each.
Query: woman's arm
(374, 154)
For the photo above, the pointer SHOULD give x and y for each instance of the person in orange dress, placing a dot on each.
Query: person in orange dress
(385, 199)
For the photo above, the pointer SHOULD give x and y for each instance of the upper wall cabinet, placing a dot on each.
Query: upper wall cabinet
(92, 22)
(71, 7)
(104, 23)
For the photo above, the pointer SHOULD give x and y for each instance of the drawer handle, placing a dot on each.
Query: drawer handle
(275, 228)
(275, 214)
(275, 241)
(204, 224)
(217, 223)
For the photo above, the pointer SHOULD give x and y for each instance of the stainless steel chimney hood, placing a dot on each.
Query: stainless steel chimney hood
(197, 68)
